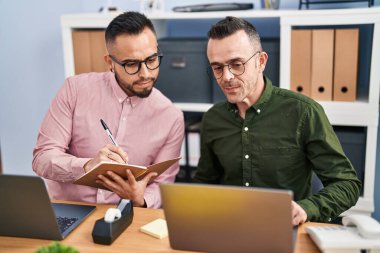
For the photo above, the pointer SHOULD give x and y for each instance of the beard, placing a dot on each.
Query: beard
(130, 88)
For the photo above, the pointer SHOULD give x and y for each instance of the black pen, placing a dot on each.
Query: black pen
(108, 132)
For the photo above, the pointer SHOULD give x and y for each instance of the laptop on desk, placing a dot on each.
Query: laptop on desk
(26, 210)
(213, 218)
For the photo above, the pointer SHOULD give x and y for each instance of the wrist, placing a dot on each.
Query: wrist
(139, 203)
(87, 166)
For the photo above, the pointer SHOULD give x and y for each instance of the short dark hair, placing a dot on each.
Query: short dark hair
(230, 25)
(127, 23)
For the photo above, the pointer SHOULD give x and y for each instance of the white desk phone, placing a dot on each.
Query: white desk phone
(359, 232)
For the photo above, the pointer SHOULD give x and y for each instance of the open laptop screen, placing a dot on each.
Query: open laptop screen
(26, 210)
(228, 219)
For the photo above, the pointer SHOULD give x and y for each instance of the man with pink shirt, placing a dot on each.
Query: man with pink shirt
(146, 125)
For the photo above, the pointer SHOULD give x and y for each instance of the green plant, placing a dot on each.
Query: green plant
(56, 247)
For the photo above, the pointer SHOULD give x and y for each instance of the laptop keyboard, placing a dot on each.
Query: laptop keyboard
(65, 222)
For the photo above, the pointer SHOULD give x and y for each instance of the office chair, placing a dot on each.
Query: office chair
(316, 184)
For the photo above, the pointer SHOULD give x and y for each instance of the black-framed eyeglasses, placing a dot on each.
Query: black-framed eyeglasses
(132, 67)
(236, 67)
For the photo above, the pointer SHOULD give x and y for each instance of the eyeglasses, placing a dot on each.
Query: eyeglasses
(131, 67)
(236, 67)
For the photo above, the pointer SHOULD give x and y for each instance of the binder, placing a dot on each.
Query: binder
(98, 50)
(82, 51)
(322, 64)
(89, 50)
(346, 64)
(300, 61)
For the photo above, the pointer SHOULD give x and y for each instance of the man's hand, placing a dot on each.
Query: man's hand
(298, 214)
(109, 153)
(127, 189)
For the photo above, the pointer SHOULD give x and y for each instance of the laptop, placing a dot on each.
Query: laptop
(26, 210)
(218, 218)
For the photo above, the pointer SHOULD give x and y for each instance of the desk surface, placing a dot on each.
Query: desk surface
(131, 240)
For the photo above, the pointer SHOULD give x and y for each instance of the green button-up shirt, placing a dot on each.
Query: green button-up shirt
(283, 138)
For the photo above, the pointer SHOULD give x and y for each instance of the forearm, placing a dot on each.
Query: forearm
(56, 165)
(341, 184)
(332, 200)
(152, 196)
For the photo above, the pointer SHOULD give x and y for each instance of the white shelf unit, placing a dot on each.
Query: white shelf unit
(358, 114)
(362, 114)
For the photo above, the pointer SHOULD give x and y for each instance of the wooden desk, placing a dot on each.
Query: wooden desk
(131, 240)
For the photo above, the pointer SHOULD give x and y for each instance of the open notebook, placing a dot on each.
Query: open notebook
(89, 179)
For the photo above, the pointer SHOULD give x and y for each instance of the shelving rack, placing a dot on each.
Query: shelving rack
(362, 113)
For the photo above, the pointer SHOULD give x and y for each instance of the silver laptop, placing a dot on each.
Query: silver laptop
(228, 219)
(26, 210)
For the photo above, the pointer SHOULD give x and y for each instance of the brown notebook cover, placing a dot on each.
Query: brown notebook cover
(139, 172)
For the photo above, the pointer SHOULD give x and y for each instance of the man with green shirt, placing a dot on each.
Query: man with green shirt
(264, 136)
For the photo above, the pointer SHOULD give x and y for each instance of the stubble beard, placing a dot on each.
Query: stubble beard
(129, 88)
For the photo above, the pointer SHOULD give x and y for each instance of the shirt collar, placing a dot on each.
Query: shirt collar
(267, 93)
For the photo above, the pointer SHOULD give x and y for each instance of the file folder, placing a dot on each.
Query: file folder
(300, 63)
(322, 64)
(82, 51)
(346, 64)
(98, 50)
(89, 50)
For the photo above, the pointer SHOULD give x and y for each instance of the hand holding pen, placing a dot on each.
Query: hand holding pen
(114, 153)
(110, 152)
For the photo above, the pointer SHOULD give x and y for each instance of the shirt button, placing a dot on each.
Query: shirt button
(246, 184)
(258, 111)
(246, 129)
(124, 118)
(120, 100)
(246, 156)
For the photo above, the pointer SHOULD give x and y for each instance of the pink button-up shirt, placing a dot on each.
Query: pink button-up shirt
(149, 129)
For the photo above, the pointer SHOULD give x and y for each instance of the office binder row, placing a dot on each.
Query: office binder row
(324, 63)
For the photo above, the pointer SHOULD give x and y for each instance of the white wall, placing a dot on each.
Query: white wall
(31, 72)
